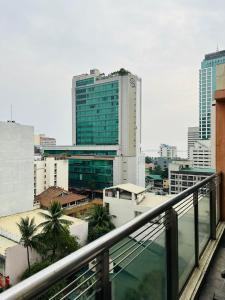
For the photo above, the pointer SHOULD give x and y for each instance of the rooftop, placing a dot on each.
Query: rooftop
(155, 177)
(58, 194)
(129, 187)
(214, 55)
(5, 243)
(151, 200)
(199, 170)
(9, 224)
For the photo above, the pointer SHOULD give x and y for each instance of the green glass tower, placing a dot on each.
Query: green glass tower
(96, 112)
(207, 87)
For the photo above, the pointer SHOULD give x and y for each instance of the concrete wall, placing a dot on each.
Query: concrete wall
(16, 262)
(16, 168)
(121, 210)
(80, 230)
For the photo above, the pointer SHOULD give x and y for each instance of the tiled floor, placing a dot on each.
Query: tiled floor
(214, 285)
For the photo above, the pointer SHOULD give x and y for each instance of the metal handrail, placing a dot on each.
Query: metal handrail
(41, 281)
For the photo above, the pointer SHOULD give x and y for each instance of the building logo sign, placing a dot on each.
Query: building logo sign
(132, 82)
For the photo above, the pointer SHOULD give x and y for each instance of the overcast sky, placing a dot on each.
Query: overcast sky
(44, 43)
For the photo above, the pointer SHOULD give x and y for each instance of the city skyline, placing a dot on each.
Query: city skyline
(44, 48)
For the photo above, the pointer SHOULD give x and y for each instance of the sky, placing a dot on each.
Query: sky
(44, 43)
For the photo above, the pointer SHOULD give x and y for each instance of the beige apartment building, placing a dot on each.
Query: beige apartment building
(50, 171)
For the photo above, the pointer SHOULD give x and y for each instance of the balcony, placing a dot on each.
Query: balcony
(162, 254)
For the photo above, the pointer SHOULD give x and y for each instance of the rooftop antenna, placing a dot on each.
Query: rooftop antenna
(217, 48)
(11, 112)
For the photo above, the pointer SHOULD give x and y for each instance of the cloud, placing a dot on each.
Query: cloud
(45, 43)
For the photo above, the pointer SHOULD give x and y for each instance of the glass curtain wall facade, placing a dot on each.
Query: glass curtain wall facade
(88, 173)
(207, 87)
(91, 174)
(96, 112)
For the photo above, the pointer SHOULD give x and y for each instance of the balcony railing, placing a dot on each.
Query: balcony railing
(150, 257)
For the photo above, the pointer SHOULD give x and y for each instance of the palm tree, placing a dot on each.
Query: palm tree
(55, 226)
(100, 217)
(100, 222)
(27, 229)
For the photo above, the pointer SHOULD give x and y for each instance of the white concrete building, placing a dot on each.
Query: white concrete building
(168, 151)
(125, 201)
(48, 172)
(42, 140)
(13, 256)
(16, 168)
(200, 154)
(182, 175)
(193, 136)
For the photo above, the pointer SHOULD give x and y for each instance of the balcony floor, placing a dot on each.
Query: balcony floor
(214, 285)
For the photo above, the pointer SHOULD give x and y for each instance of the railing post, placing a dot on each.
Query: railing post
(212, 210)
(172, 255)
(196, 221)
(104, 292)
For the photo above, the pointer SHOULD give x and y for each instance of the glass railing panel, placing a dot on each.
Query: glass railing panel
(82, 285)
(186, 240)
(204, 218)
(138, 266)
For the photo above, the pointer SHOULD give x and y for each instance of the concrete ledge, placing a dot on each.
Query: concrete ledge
(198, 275)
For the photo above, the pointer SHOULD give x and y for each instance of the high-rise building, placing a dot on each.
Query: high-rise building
(106, 131)
(207, 87)
(193, 136)
(168, 151)
(107, 110)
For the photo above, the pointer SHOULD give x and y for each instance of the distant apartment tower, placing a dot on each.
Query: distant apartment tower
(200, 154)
(50, 172)
(16, 168)
(207, 87)
(168, 151)
(42, 140)
(182, 175)
(193, 136)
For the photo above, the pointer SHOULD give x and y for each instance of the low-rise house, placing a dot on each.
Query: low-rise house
(67, 199)
(73, 204)
(126, 201)
(13, 256)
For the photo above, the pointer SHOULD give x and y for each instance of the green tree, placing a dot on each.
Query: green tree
(27, 229)
(100, 223)
(148, 160)
(55, 227)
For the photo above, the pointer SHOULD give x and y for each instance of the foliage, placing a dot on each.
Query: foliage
(148, 159)
(158, 171)
(121, 72)
(96, 232)
(55, 227)
(100, 223)
(38, 266)
(27, 229)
